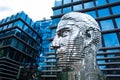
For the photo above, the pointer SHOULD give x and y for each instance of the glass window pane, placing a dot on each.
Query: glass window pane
(100, 2)
(53, 32)
(58, 2)
(13, 17)
(55, 21)
(34, 35)
(1, 28)
(118, 22)
(92, 13)
(28, 20)
(20, 46)
(7, 41)
(8, 19)
(67, 9)
(3, 21)
(88, 5)
(5, 27)
(107, 25)
(14, 42)
(23, 15)
(110, 40)
(18, 24)
(10, 25)
(66, 1)
(30, 32)
(76, 0)
(116, 10)
(25, 28)
(103, 12)
(18, 32)
(24, 37)
(111, 1)
(77, 7)
(57, 12)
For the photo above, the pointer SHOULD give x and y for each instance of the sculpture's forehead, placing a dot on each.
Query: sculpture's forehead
(65, 24)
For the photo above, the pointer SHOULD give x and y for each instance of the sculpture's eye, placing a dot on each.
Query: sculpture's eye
(88, 34)
(63, 32)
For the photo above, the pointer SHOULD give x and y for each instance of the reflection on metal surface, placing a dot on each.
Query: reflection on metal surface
(78, 37)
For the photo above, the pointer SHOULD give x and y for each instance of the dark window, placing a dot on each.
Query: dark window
(1, 53)
(24, 37)
(7, 41)
(21, 46)
(18, 32)
(14, 42)
(1, 28)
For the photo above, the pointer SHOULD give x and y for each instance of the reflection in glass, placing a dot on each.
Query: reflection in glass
(20, 46)
(77, 7)
(103, 12)
(55, 21)
(88, 5)
(14, 42)
(58, 2)
(110, 40)
(100, 2)
(116, 10)
(118, 22)
(111, 1)
(92, 13)
(57, 12)
(107, 25)
(76, 0)
(67, 9)
(66, 1)
(28, 20)
(10, 25)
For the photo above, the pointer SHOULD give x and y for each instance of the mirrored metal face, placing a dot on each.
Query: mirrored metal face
(77, 34)
(69, 41)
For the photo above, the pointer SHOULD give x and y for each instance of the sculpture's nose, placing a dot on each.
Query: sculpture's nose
(56, 43)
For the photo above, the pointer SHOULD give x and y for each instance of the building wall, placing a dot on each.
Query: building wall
(19, 46)
(107, 14)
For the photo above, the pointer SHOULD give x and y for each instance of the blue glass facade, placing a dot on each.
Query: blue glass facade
(22, 40)
(45, 34)
(107, 14)
(19, 47)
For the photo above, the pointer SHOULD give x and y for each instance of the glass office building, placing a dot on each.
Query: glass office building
(19, 47)
(107, 14)
(47, 64)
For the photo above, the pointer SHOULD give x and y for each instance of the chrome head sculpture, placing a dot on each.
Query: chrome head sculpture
(77, 35)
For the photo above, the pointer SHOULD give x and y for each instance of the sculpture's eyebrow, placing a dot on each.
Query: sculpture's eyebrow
(60, 31)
